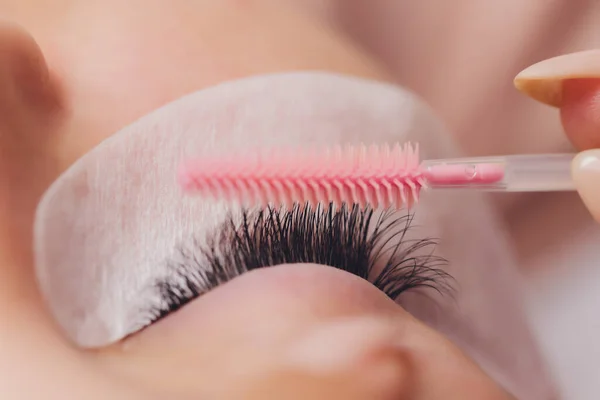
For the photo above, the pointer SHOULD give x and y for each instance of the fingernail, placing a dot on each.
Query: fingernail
(543, 81)
(586, 174)
(341, 345)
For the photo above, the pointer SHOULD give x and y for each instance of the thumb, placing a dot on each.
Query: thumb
(586, 174)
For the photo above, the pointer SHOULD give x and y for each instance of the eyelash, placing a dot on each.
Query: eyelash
(344, 238)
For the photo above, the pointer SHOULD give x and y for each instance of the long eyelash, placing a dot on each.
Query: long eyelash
(344, 238)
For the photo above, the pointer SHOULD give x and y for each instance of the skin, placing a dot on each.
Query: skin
(60, 98)
(572, 83)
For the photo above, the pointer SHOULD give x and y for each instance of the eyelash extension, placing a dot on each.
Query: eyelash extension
(347, 238)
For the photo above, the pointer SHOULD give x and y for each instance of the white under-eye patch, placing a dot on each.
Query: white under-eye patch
(106, 226)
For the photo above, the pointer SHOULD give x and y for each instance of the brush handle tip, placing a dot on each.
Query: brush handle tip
(520, 173)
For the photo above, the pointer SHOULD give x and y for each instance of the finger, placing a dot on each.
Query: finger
(586, 174)
(571, 83)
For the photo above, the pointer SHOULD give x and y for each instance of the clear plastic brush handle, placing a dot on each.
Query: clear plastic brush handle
(520, 173)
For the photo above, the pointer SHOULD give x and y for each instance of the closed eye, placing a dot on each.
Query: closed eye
(347, 238)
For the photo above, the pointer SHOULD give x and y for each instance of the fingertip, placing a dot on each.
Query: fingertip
(580, 112)
(586, 175)
(570, 82)
(543, 81)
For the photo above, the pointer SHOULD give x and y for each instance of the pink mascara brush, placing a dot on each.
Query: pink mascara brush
(377, 175)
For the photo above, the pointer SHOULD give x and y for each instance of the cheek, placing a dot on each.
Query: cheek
(148, 56)
(153, 54)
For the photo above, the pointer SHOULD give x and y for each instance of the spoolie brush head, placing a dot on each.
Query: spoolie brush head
(379, 176)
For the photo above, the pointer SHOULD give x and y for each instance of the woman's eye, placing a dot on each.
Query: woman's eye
(349, 238)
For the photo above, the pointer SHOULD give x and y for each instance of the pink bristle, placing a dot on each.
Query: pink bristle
(379, 176)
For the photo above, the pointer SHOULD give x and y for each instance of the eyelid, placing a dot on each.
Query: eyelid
(350, 239)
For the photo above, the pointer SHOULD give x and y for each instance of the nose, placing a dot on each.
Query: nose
(30, 113)
(30, 110)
